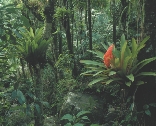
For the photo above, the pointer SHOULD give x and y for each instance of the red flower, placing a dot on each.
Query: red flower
(108, 56)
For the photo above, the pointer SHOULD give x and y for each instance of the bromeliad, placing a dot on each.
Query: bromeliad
(108, 56)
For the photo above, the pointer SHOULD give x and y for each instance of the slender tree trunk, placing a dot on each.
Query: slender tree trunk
(124, 15)
(90, 27)
(60, 40)
(50, 29)
(114, 23)
(66, 25)
(38, 108)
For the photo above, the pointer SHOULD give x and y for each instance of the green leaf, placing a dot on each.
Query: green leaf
(81, 113)
(146, 74)
(78, 124)
(112, 73)
(128, 83)
(85, 118)
(125, 64)
(123, 40)
(94, 125)
(123, 48)
(90, 62)
(97, 53)
(134, 47)
(130, 77)
(153, 104)
(143, 41)
(98, 73)
(25, 21)
(145, 107)
(31, 32)
(141, 64)
(67, 117)
(68, 124)
(128, 51)
(46, 104)
(38, 34)
(20, 97)
(147, 111)
(37, 108)
(104, 46)
(109, 81)
(140, 83)
(96, 81)
(116, 53)
(89, 72)
(14, 94)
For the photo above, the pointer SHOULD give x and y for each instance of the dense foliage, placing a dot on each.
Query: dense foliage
(77, 63)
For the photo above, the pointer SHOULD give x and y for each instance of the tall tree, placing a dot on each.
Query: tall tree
(114, 21)
(90, 26)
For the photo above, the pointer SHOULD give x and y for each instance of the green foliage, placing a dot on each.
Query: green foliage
(146, 108)
(32, 47)
(76, 120)
(17, 94)
(125, 68)
(62, 13)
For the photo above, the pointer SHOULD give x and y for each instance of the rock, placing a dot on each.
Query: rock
(50, 121)
(76, 102)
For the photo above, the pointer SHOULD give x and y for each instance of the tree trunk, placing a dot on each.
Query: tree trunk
(90, 27)
(114, 23)
(51, 25)
(60, 40)
(66, 25)
(38, 107)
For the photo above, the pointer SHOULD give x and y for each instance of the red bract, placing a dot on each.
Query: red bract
(108, 56)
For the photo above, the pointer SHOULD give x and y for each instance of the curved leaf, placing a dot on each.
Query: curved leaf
(146, 74)
(82, 113)
(140, 83)
(90, 62)
(128, 83)
(68, 117)
(97, 53)
(96, 81)
(130, 77)
(141, 64)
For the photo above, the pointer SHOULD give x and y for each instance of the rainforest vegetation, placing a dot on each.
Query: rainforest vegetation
(77, 63)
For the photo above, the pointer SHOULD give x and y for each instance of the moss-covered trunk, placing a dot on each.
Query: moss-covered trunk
(38, 106)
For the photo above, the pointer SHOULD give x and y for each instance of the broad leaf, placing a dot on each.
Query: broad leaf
(68, 124)
(125, 64)
(141, 64)
(112, 73)
(82, 113)
(134, 46)
(146, 74)
(38, 108)
(123, 48)
(130, 77)
(128, 83)
(123, 40)
(90, 62)
(96, 81)
(68, 117)
(153, 104)
(140, 83)
(97, 53)
(98, 73)
(78, 124)
(144, 41)
(20, 97)
(112, 80)
(148, 112)
(105, 46)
